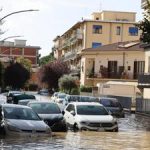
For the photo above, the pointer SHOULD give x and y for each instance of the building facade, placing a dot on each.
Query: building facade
(13, 50)
(103, 28)
(123, 61)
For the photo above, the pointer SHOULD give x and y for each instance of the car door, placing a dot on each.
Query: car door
(70, 118)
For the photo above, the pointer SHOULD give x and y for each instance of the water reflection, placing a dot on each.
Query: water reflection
(135, 140)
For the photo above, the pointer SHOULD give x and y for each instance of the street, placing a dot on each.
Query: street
(134, 133)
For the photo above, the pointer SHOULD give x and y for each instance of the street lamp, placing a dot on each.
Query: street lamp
(16, 12)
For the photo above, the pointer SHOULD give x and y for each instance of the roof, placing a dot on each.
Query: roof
(14, 106)
(85, 103)
(119, 46)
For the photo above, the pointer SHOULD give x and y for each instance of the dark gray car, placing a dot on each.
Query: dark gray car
(112, 105)
(50, 113)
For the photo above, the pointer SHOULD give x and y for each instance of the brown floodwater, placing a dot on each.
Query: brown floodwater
(85, 140)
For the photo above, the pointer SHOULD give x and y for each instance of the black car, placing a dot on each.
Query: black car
(112, 105)
(50, 113)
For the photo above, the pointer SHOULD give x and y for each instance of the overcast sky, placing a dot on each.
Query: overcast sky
(54, 17)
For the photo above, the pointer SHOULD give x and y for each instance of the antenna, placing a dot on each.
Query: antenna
(100, 6)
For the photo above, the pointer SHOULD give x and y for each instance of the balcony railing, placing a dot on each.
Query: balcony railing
(144, 81)
(144, 3)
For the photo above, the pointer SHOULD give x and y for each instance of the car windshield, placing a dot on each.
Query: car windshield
(45, 108)
(84, 99)
(20, 113)
(91, 110)
(73, 98)
(61, 96)
(110, 103)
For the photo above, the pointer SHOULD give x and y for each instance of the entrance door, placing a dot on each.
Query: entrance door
(112, 69)
(138, 68)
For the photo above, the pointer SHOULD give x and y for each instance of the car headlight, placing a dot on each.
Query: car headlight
(48, 130)
(13, 128)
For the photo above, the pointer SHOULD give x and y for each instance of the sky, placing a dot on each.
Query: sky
(54, 17)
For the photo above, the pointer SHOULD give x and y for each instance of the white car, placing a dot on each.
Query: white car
(89, 116)
(60, 98)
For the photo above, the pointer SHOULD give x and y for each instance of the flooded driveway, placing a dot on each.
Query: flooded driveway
(134, 134)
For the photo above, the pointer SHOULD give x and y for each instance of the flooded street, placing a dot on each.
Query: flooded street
(134, 134)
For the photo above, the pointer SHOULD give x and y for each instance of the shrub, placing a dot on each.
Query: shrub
(85, 89)
(75, 91)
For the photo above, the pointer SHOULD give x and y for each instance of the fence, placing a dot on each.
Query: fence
(143, 105)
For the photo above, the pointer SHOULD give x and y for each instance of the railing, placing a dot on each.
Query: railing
(144, 3)
(144, 80)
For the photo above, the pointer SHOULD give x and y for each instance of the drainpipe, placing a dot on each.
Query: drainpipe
(124, 60)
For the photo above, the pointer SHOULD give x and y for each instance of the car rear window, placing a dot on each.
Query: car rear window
(110, 103)
(45, 108)
(91, 110)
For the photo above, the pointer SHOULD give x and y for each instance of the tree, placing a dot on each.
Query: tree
(25, 62)
(67, 83)
(46, 59)
(16, 75)
(50, 73)
(1, 75)
(144, 25)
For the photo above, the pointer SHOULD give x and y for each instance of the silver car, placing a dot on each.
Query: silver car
(21, 120)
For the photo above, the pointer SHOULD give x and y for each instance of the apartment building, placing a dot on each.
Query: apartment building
(123, 61)
(103, 28)
(18, 48)
(144, 3)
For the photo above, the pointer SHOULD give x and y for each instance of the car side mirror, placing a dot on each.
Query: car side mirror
(73, 113)
(63, 112)
(109, 112)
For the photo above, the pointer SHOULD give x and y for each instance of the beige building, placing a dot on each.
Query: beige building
(103, 28)
(122, 61)
(144, 79)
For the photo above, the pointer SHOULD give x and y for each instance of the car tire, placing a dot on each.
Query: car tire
(75, 127)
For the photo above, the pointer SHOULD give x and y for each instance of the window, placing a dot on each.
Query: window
(118, 30)
(133, 31)
(96, 45)
(97, 29)
(70, 108)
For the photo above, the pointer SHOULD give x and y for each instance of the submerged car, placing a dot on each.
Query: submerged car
(16, 98)
(89, 116)
(11, 94)
(50, 113)
(44, 92)
(113, 105)
(21, 120)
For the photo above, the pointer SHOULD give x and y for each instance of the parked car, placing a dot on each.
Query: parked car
(89, 116)
(112, 105)
(78, 98)
(50, 113)
(10, 95)
(25, 101)
(60, 98)
(17, 97)
(44, 92)
(21, 120)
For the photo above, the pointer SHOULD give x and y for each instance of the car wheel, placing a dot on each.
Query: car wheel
(75, 127)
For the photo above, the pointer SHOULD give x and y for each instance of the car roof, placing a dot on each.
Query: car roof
(109, 98)
(14, 106)
(86, 103)
(41, 102)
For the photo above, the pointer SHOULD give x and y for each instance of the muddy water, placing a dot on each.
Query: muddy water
(133, 140)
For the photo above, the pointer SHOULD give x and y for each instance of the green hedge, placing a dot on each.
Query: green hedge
(86, 89)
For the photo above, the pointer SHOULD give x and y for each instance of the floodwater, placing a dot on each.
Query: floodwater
(134, 134)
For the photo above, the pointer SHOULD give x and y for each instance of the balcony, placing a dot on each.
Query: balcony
(144, 3)
(69, 56)
(144, 81)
